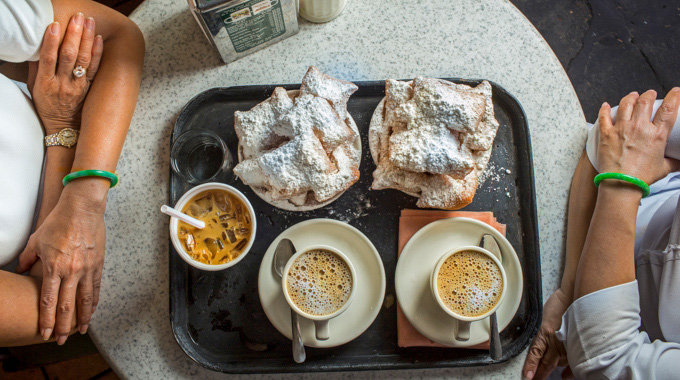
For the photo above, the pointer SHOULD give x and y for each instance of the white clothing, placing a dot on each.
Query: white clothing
(22, 25)
(601, 331)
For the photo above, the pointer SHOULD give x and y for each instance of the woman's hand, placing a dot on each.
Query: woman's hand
(57, 93)
(546, 351)
(634, 145)
(70, 245)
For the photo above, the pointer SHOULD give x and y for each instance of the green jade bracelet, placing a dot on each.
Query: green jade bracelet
(91, 173)
(623, 177)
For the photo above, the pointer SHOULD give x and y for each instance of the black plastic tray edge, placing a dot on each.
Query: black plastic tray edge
(535, 318)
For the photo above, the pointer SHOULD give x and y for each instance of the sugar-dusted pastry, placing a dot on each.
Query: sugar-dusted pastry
(431, 138)
(299, 150)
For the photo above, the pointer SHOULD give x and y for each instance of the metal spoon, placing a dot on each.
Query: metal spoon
(489, 243)
(284, 250)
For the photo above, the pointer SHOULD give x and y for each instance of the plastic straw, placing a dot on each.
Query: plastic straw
(183, 217)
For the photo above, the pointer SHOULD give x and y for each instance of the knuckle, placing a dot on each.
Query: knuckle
(86, 299)
(69, 54)
(666, 108)
(644, 100)
(83, 57)
(65, 307)
(49, 59)
(48, 300)
(76, 266)
(97, 284)
(535, 351)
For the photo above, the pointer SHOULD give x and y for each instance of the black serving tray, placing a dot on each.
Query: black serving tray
(217, 318)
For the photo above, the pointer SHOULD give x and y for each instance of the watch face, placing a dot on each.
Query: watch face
(68, 137)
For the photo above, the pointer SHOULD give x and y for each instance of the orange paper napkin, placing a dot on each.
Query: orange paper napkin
(410, 222)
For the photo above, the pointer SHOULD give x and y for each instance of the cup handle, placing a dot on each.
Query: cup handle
(462, 331)
(321, 330)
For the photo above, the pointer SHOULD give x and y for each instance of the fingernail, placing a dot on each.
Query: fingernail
(605, 104)
(79, 19)
(83, 329)
(61, 340)
(634, 93)
(89, 23)
(94, 308)
(46, 334)
(98, 40)
(55, 28)
(675, 89)
(530, 375)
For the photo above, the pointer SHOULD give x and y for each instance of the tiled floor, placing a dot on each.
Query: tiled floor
(607, 47)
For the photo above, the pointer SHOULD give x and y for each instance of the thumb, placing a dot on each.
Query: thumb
(28, 257)
(534, 356)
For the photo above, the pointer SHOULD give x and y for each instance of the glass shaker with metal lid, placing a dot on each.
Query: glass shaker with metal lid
(237, 28)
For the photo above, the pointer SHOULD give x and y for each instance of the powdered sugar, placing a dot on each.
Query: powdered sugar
(292, 148)
(432, 139)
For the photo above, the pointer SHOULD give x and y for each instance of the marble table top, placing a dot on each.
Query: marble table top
(371, 40)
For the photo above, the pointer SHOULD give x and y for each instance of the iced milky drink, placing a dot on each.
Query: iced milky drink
(469, 283)
(227, 227)
(319, 282)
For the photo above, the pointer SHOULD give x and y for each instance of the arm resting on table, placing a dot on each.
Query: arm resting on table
(19, 305)
(582, 197)
(600, 332)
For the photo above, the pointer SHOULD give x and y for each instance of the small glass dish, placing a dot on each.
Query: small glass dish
(199, 155)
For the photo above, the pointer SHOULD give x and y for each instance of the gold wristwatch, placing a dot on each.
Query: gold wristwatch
(67, 137)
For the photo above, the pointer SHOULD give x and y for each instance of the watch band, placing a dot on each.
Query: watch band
(52, 140)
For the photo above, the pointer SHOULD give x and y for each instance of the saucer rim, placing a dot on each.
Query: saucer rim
(484, 226)
(371, 314)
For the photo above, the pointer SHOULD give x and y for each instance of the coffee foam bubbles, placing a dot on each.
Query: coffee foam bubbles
(469, 283)
(319, 282)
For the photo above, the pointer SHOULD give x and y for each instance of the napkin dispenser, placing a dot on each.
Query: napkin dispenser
(236, 28)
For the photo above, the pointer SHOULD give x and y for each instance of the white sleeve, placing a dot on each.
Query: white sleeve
(672, 148)
(22, 26)
(601, 336)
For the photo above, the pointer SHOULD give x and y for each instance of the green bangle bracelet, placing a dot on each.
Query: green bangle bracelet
(623, 177)
(91, 173)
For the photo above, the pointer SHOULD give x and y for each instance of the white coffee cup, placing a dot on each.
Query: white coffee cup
(179, 247)
(462, 332)
(320, 321)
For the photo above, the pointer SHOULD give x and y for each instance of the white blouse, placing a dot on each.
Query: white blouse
(22, 25)
(633, 330)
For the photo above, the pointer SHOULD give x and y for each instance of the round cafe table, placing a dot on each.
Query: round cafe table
(371, 40)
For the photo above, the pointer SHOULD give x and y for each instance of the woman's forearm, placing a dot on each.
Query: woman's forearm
(19, 307)
(582, 199)
(110, 103)
(607, 257)
(58, 163)
(108, 108)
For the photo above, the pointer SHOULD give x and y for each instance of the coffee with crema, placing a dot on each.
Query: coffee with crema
(469, 283)
(319, 282)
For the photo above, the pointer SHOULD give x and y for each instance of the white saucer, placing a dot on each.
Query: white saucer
(370, 281)
(415, 266)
